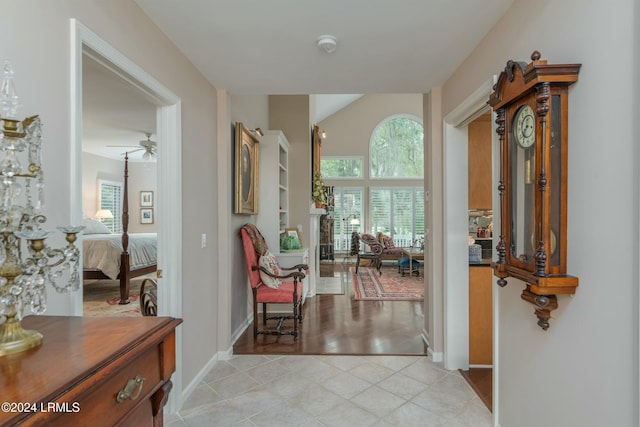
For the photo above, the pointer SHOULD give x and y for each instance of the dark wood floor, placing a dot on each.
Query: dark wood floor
(338, 324)
(481, 380)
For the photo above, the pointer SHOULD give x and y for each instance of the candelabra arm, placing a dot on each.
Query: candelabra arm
(27, 264)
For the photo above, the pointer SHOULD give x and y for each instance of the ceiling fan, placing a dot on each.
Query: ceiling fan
(149, 146)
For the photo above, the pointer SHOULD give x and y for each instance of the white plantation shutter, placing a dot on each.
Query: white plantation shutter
(419, 206)
(380, 209)
(398, 212)
(110, 197)
(347, 201)
(403, 217)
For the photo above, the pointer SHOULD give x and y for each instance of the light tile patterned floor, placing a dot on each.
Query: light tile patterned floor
(335, 391)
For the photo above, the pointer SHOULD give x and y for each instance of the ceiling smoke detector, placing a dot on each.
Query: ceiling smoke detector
(327, 44)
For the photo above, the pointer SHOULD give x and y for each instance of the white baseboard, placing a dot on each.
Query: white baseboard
(241, 329)
(434, 356)
(221, 355)
(189, 389)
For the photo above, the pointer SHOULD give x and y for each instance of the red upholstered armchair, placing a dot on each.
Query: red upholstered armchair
(270, 284)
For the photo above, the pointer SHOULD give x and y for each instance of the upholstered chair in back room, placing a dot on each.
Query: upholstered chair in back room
(375, 250)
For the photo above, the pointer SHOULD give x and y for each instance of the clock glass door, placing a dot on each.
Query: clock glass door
(555, 181)
(523, 194)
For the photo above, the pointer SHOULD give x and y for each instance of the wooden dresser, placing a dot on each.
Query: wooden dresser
(90, 371)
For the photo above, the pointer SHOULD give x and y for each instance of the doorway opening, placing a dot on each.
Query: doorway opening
(455, 233)
(169, 174)
(113, 142)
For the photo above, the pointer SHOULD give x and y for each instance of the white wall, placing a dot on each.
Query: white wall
(39, 49)
(434, 243)
(583, 371)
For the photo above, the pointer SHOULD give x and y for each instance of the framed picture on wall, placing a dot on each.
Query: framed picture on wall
(146, 199)
(246, 163)
(291, 241)
(146, 216)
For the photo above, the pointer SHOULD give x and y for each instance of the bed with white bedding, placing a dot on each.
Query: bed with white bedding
(103, 252)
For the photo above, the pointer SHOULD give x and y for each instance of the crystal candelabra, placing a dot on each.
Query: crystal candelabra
(27, 264)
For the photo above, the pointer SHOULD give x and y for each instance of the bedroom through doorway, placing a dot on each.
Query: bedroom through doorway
(119, 158)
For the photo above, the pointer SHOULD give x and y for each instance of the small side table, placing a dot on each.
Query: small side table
(412, 254)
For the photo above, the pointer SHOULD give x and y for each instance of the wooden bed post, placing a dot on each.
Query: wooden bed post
(125, 281)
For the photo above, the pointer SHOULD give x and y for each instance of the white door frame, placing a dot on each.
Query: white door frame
(455, 228)
(169, 172)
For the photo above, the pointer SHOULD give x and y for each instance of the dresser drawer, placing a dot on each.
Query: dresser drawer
(113, 394)
(75, 376)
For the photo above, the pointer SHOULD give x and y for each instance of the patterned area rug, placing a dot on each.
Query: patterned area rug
(101, 298)
(391, 286)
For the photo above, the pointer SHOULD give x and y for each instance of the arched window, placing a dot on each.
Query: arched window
(396, 148)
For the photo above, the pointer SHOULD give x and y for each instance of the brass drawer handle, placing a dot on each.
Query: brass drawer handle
(128, 391)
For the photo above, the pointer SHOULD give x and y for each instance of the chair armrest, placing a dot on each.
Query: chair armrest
(299, 267)
(295, 274)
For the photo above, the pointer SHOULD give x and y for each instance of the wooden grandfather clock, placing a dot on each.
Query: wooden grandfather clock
(531, 105)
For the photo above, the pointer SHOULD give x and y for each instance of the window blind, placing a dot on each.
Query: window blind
(110, 197)
(347, 202)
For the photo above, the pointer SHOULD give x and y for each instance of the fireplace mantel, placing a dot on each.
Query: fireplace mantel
(314, 246)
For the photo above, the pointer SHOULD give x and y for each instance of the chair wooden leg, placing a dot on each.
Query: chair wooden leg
(255, 317)
(295, 321)
(264, 313)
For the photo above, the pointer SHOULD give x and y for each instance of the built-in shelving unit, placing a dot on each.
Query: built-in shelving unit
(273, 199)
(283, 164)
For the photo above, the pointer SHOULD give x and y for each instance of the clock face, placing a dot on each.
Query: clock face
(524, 127)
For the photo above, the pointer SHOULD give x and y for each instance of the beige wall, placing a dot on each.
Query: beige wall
(253, 112)
(142, 177)
(40, 53)
(95, 168)
(349, 130)
(349, 134)
(583, 371)
(290, 114)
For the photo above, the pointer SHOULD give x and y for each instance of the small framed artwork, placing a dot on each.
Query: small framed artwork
(246, 173)
(291, 241)
(146, 216)
(146, 199)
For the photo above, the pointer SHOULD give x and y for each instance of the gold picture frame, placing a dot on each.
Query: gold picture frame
(247, 152)
(293, 232)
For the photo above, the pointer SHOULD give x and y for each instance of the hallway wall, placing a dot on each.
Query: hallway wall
(39, 50)
(583, 371)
